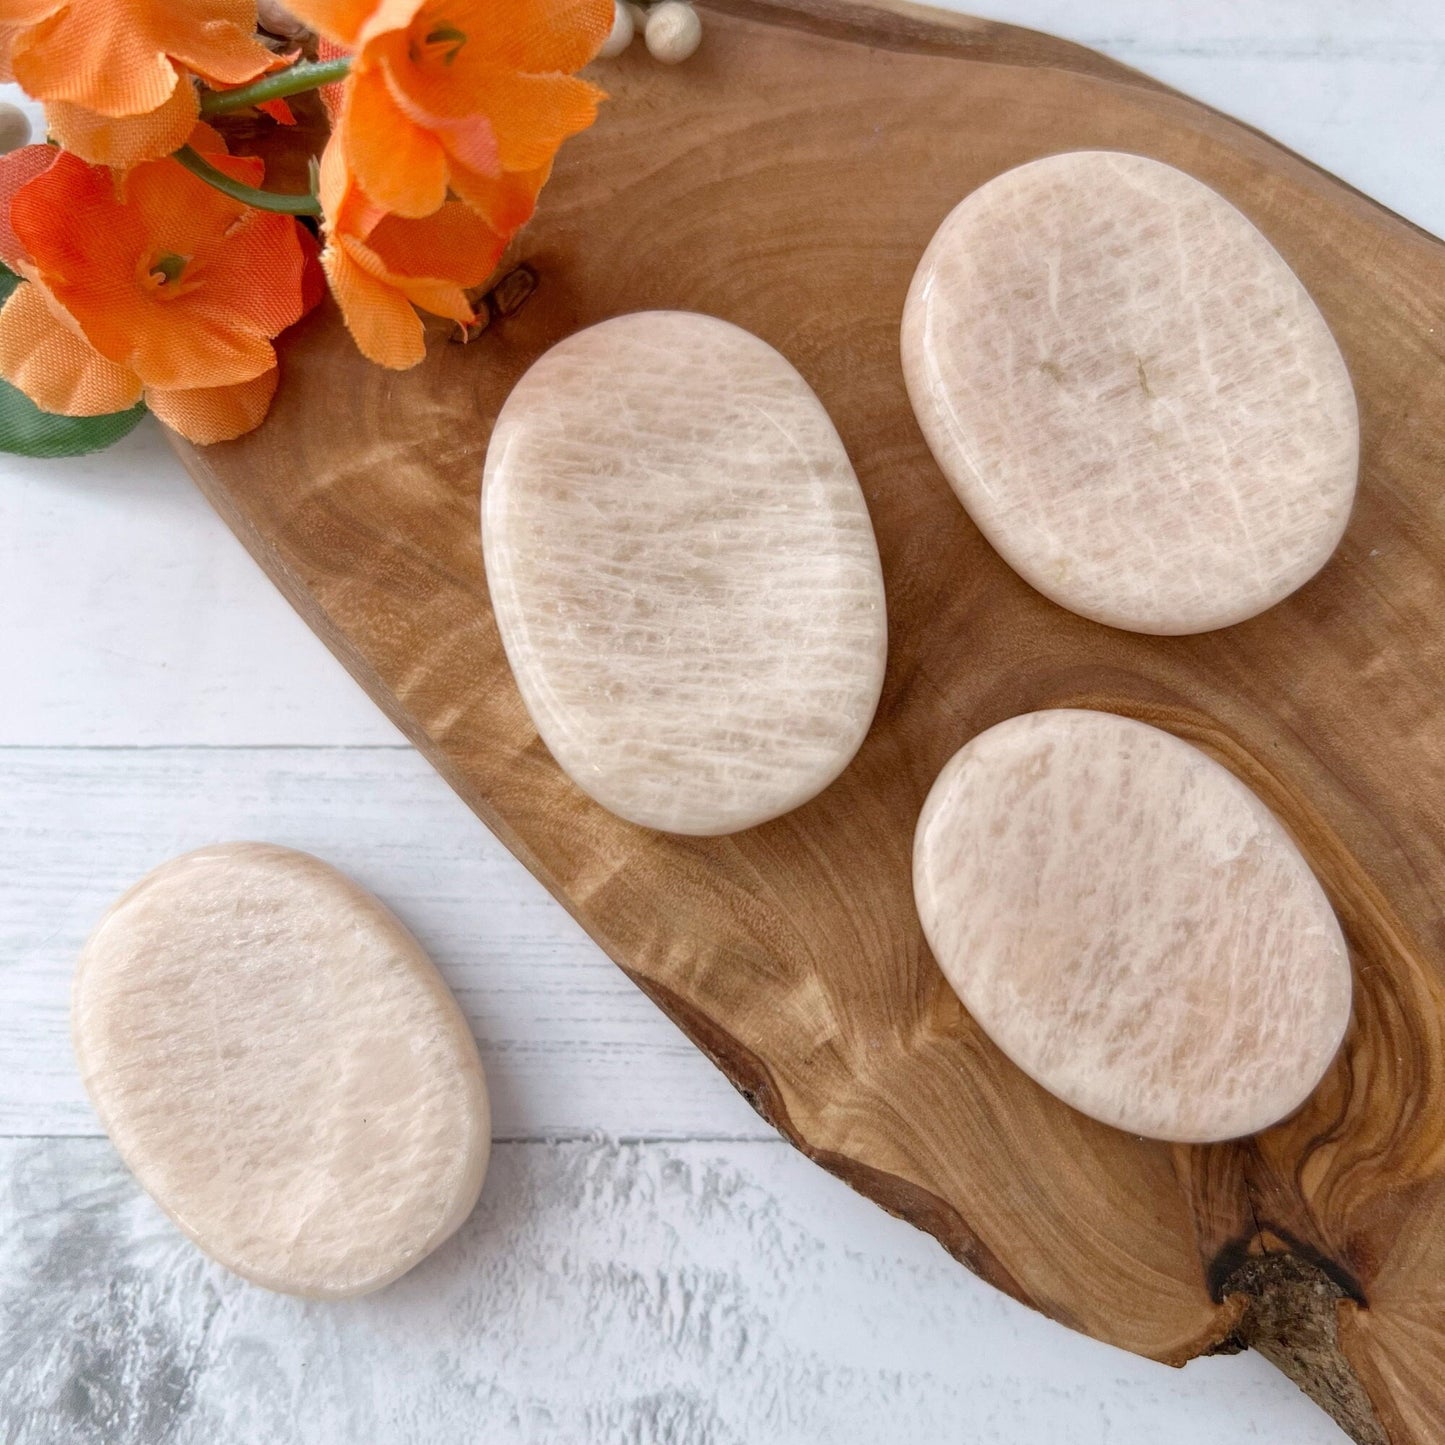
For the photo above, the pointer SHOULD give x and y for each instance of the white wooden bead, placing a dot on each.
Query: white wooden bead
(674, 31)
(622, 31)
(14, 128)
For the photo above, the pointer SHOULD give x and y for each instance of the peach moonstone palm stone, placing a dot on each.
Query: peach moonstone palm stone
(1131, 926)
(683, 572)
(1131, 393)
(282, 1068)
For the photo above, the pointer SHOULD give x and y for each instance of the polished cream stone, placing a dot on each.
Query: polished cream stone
(282, 1068)
(683, 572)
(1131, 925)
(1131, 393)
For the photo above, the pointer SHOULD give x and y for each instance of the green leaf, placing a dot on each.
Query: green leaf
(29, 432)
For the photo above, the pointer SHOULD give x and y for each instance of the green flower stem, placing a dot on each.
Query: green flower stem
(197, 164)
(305, 75)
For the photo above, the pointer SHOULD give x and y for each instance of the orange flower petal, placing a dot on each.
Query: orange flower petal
(96, 56)
(488, 119)
(331, 95)
(504, 202)
(402, 167)
(214, 38)
(337, 20)
(533, 114)
(16, 169)
(207, 140)
(453, 112)
(16, 17)
(115, 56)
(209, 414)
(380, 319)
(452, 243)
(171, 203)
(313, 278)
(333, 180)
(240, 281)
(526, 116)
(53, 366)
(538, 36)
(388, 15)
(432, 293)
(430, 261)
(346, 208)
(278, 110)
(27, 12)
(437, 296)
(125, 141)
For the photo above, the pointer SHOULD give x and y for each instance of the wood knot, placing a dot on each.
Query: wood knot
(506, 298)
(1291, 1316)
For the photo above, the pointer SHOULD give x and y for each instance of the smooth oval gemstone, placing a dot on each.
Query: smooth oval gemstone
(683, 572)
(283, 1069)
(1131, 926)
(1131, 393)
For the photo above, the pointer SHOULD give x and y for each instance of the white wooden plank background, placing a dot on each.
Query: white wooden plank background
(603, 1293)
(570, 1045)
(648, 1264)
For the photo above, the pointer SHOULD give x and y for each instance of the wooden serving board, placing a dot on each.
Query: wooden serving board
(788, 179)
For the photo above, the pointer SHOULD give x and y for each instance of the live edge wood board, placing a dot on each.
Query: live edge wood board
(787, 178)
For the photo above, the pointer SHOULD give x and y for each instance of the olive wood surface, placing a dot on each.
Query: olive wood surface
(788, 178)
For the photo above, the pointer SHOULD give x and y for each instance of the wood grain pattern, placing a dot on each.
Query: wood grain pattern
(788, 180)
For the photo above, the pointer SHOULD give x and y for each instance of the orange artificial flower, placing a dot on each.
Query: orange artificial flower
(381, 265)
(474, 96)
(173, 293)
(115, 75)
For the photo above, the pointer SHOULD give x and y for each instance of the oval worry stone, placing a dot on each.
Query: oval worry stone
(1131, 393)
(282, 1068)
(1131, 926)
(683, 572)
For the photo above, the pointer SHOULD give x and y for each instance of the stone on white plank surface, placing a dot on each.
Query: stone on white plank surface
(1131, 393)
(570, 1045)
(601, 1294)
(683, 572)
(282, 1067)
(1131, 925)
